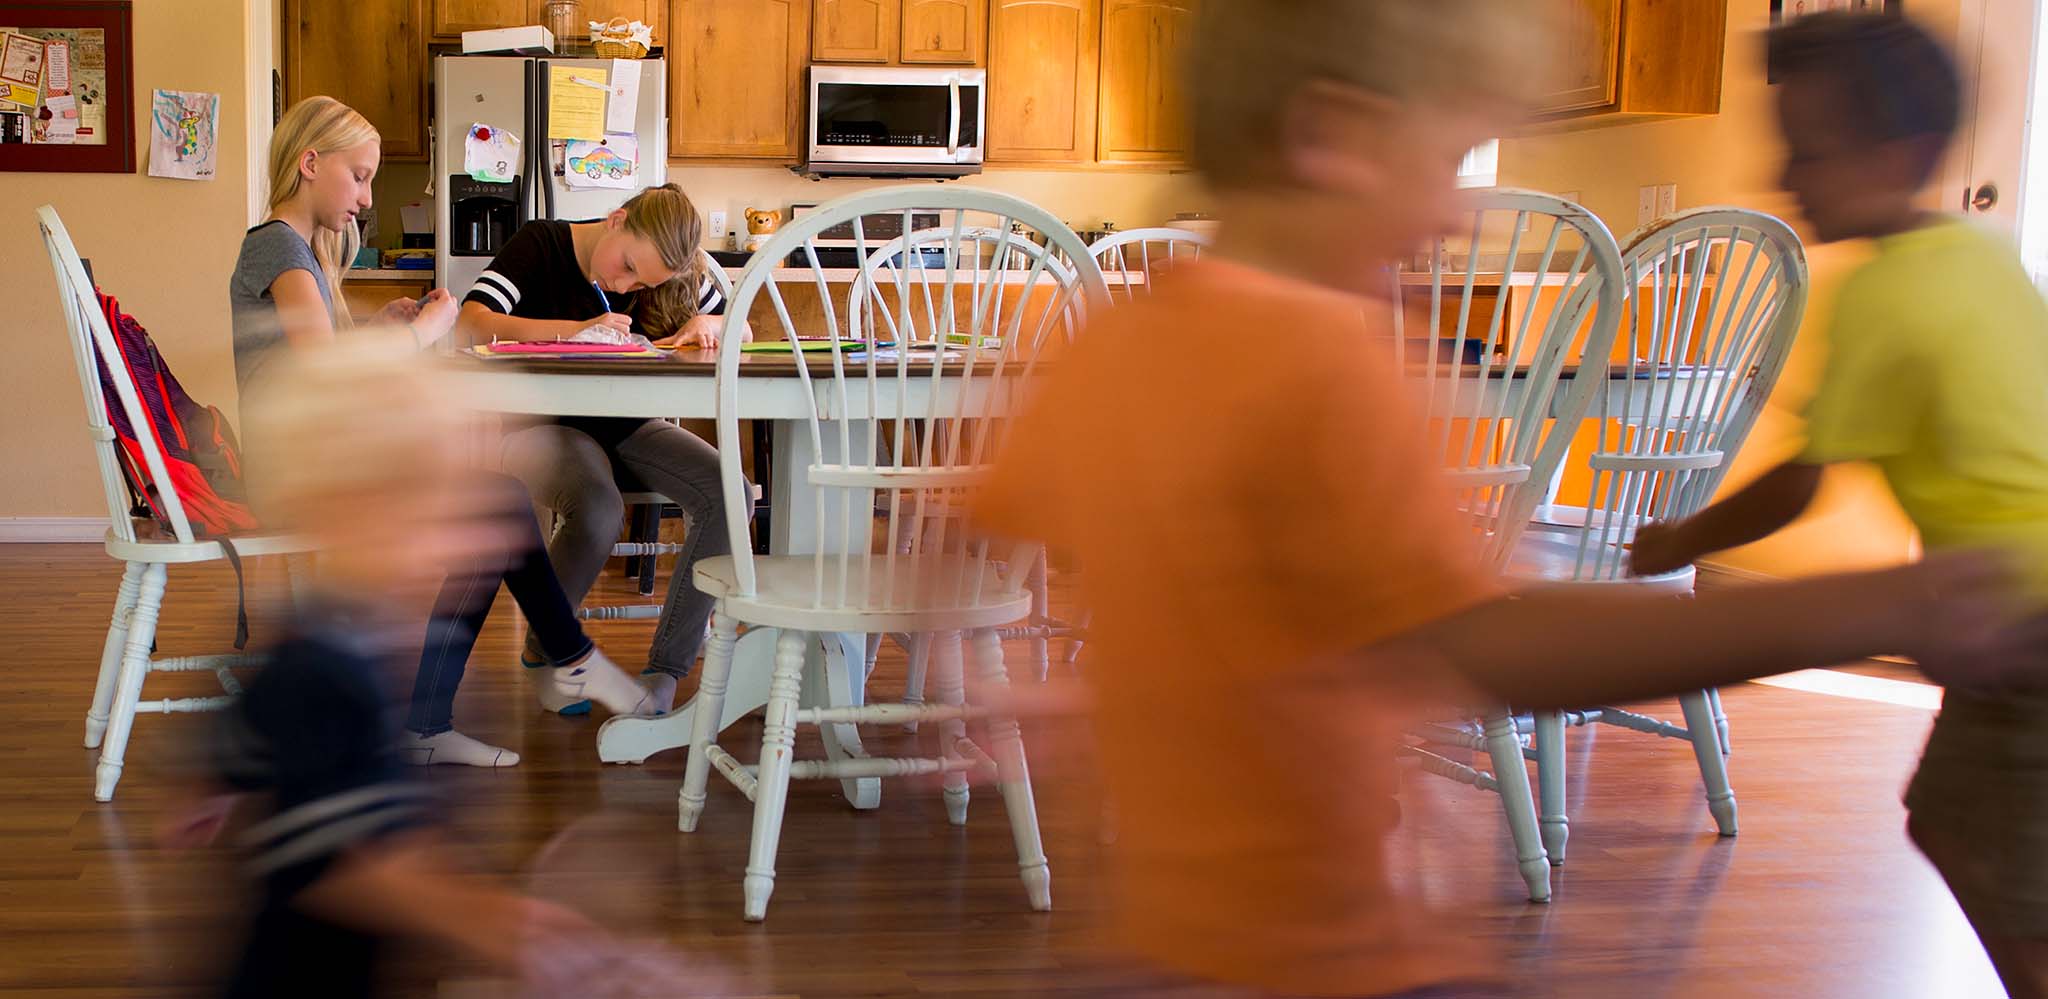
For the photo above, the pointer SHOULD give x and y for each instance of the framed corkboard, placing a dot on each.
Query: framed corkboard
(82, 83)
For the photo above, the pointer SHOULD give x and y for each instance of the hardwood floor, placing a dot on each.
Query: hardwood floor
(1820, 897)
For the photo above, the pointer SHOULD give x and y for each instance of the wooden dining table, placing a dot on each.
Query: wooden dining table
(772, 390)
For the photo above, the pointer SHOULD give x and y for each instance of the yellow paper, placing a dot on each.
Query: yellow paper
(576, 103)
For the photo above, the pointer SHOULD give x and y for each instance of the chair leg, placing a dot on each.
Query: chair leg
(1013, 776)
(778, 745)
(953, 693)
(1041, 612)
(134, 667)
(914, 675)
(1504, 745)
(718, 653)
(110, 655)
(1706, 747)
(1720, 721)
(650, 532)
(1550, 779)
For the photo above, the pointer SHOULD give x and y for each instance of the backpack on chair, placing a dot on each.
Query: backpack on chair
(200, 453)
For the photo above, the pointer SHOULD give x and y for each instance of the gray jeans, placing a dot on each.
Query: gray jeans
(571, 475)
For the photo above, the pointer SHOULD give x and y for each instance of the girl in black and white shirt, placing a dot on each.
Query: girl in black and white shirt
(635, 270)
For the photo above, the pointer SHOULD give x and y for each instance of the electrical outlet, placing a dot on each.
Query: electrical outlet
(718, 225)
(1572, 196)
(1646, 205)
(1667, 200)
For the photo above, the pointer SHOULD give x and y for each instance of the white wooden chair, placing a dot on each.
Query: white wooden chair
(1131, 259)
(644, 544)
(1001, 257)
(1502, 402)
(139, 543)
(1717, 295)
(951, 583)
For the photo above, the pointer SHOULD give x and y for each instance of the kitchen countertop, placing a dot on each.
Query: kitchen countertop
(389, 274)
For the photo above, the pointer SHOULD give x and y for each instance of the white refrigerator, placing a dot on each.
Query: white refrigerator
(472, 218)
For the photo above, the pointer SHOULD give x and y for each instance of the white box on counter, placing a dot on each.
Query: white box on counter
(532, 39)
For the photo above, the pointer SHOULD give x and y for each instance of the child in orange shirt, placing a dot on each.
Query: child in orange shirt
(1278, 580)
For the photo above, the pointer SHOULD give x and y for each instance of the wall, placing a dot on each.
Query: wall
(1731, 158)
(163, 247)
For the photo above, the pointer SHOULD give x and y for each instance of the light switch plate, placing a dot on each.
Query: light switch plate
(1572, 196)
(718, 225)
(1646, 205)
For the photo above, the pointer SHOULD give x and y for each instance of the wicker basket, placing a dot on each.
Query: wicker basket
(614, 41)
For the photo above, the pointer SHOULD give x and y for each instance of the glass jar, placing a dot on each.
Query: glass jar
(564, 20)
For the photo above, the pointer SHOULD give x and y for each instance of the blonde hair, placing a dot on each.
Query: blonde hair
(325, 126)
(665, 217)
(1250, 56)
(400, 421)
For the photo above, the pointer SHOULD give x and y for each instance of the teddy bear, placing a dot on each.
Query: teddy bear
(760, 226)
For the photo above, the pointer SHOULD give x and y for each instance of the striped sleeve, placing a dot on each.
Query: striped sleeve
(494, 291)
(309, 834)
(711, 302)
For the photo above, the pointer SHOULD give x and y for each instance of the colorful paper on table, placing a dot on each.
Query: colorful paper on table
(183, 127)
(576, 103)
(560, 348)
(57, 66)
(807, 346)
(490, 153)
(614, 162)
(622, 114)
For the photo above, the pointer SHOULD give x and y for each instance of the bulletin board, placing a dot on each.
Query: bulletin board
(67, 86)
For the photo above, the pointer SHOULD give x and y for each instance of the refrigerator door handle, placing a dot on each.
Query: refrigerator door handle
(543, 158)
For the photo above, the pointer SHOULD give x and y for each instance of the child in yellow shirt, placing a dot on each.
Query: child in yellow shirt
(1938, 374)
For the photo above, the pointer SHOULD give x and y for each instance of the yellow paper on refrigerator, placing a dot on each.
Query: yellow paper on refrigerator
(576, 103)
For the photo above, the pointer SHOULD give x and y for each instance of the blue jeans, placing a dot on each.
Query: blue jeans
(465, 601)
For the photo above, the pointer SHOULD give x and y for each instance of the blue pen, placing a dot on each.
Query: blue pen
(602, 300)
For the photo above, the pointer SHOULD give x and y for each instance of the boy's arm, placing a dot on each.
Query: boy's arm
(402, 886)
(1760, 509)
(1571, 646)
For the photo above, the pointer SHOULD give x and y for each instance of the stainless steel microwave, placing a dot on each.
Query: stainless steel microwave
(897, 122)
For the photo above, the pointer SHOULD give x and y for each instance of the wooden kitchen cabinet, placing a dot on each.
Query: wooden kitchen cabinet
(386, 81)
(653, 13)
(854, 30)
(1042, 65)
(736, 86)
(453, 17)
(1634, 60)
(1583, 72)
(944, 32)
(1143, 116)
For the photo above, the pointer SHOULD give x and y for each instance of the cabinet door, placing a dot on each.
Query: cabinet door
(1042, 80)
(854, 30)
(1584, 72)
(653, 13)
(944, 32)
(453, 17)
(1144, 113)
(386, 81)
(738, 78)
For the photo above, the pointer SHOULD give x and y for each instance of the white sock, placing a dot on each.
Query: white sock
(598, 679)
(661, 688)
(454, 747)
